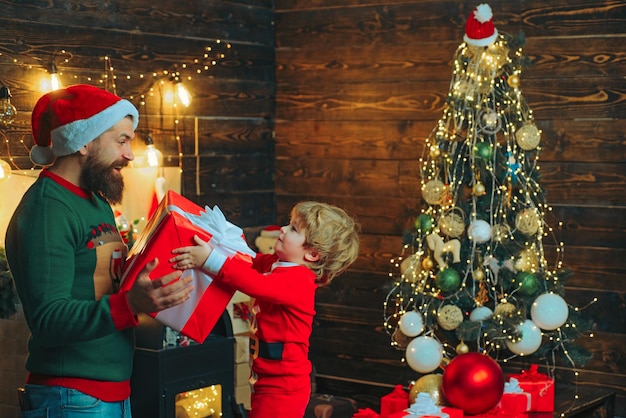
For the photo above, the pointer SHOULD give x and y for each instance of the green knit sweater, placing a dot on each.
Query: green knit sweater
(59, 245)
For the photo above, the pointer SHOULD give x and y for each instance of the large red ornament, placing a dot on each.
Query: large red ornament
(473, 382)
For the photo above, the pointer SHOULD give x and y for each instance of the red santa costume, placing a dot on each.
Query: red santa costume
(283, 311)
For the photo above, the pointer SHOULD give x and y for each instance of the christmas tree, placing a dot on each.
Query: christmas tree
(474, 274)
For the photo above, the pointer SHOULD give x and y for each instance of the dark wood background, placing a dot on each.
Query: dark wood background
(331, 100)
(361, 84)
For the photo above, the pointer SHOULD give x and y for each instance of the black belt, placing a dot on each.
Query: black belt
(270, 351)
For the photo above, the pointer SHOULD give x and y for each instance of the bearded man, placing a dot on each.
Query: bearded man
(61, 244)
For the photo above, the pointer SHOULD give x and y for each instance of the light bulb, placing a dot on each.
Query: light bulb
(7, 110)
(5, 171)
(183, 93)
(55, 82)
(154, 157)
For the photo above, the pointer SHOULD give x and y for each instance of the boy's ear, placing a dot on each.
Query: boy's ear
(312, 255)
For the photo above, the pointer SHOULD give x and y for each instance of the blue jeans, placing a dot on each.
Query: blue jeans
(60, 402)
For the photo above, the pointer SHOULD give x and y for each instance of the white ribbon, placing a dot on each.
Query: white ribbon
(224, 235)
(425, 405)
(513, 387)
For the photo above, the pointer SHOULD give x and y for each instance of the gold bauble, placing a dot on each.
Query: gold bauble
(527, 221)
(449, 317)
(452, 223)
(433, 191)
(528, 136)
(427, 263)
(527, 260)
(479, 275)
(429, 383)
(435, 151)
(513, 80)
(478, 189)
(504, 309)
(462, 348)
(411, 268)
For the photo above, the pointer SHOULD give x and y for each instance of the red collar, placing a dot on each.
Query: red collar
(69, 186)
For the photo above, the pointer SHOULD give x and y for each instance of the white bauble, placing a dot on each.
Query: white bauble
(411, 324)
(424, 354)
(530, 342)
(480, 314)
(479, 231)
(549, 311)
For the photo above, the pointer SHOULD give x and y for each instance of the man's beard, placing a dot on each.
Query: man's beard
(101, 179)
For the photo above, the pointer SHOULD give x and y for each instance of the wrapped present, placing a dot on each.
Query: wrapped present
(540, 387)
(514, 400)
(395, 401)
(497, 412)
(425, 407)
(366, 413)
(173, 225)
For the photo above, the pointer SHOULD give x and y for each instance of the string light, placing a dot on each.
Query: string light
(7, 110)
(55, 82)
(153, 156)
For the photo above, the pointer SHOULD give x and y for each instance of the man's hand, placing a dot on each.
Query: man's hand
(147, 296)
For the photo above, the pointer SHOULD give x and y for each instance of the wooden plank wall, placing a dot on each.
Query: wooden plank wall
(361, 84)
(226, 135)
(228, 129)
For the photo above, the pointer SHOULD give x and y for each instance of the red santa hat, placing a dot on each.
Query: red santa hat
(479, 30)
(271, 231)
(65, 120)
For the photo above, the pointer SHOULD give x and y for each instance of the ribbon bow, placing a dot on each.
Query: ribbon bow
(424, 405)
(224, 235)
(512, 386)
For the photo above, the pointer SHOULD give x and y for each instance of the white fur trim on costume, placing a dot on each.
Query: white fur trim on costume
(71, 137)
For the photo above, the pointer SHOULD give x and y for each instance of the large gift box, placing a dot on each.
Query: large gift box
(173, 225)
(395, 401)
(539, 385)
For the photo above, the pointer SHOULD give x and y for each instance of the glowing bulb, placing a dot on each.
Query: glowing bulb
(154, 157)
(7, 110)
(5, 171)
(55, 82)
(183, 94)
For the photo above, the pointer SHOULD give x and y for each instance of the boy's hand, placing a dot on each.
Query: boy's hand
(193, 256)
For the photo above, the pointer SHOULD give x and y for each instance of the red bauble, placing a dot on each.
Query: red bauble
(473, 382)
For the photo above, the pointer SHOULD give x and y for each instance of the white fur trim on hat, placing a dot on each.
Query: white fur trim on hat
(71, 137)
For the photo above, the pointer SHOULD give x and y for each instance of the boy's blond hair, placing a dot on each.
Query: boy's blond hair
(333, 233)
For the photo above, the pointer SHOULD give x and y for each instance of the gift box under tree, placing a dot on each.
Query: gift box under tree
(173, 225)
(539, 385)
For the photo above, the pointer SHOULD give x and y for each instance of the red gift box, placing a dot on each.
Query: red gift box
(540, 386)
(406, 414)
(395, 401)
(173, 225)
(365, 413)
(453, 412)
(515, 402)
(498, 412)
